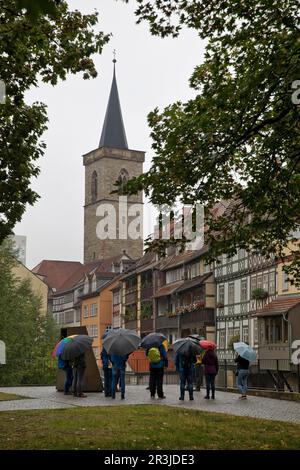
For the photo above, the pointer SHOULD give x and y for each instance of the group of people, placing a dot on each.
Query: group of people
(189, 368)
(192, 368)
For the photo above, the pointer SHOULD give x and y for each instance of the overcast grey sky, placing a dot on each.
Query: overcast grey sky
(150, 72)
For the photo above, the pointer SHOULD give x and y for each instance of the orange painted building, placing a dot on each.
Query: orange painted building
(96, 314)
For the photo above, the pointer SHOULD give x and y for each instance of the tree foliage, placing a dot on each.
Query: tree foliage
(238, 139)
(29, 336)
(39, 41)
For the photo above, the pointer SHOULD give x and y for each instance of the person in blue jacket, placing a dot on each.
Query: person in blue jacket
(107, 370)
(118, 369)
(66, 366)
(157, 372)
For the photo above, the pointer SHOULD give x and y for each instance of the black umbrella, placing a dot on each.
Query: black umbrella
(121, 342)
(187, 346)
(153, 340)
(77, 345)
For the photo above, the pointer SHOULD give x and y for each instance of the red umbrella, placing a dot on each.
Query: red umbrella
(205, 344)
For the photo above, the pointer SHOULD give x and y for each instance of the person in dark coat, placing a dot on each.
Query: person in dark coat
(211, 368)
(185, 367)
(157, 373)
(242, 375)
(107, 369)
(118, 370)
(79, 366)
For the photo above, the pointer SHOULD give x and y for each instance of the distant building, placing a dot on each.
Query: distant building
(37, 283)
(19, 243)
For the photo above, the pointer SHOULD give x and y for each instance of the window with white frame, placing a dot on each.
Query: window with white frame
(93, 331)
(221, 298)
(272, 282)
(285, 281)
(85, 311)
(231, 293)
(244, 293)
(94, 310)
(245, 332)
(86, 286)
(195, 270)
(174, 275)
(222, 337)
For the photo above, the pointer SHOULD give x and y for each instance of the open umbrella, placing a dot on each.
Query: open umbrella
(121, 342)
(196, 337)
(153, 340)
(245, 351)
(205, 344)
(187, 346)
(72, 346)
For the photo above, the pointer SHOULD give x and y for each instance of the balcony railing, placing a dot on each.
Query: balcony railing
(130, 298)
(131, 324)
(201, 316)
(166, 322)
(147, 325)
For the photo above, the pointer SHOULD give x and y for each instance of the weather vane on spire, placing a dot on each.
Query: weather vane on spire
(114, 59)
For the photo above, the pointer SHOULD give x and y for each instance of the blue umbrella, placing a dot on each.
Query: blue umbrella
(245, 351)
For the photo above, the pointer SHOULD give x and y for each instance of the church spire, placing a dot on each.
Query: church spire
(113, 131)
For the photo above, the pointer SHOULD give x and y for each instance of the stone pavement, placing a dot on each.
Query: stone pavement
(257, 407)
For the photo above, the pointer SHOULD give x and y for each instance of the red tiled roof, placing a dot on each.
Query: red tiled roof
(282, 304)
(56, 272)
(168, 289)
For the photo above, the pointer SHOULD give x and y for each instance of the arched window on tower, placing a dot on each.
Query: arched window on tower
(94, 189)
(123, 178)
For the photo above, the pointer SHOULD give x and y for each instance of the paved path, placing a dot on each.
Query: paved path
(257, 407)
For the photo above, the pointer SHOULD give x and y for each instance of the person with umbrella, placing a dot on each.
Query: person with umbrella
(119, 344)
(245, 354)
(186, 350)
(72, 348)
(79, 366)
(156, 351)
(211, 367)
(185, 367)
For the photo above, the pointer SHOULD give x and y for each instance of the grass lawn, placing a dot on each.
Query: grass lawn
(141, 427)
(10, 396)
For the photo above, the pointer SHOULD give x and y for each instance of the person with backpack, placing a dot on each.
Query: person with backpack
(107, 370)
(118, 370)
(185, 367)
(242, 375)
(157, 361)
(211, 368)
(67, 368)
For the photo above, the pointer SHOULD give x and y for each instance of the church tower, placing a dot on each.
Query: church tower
(107, 218)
